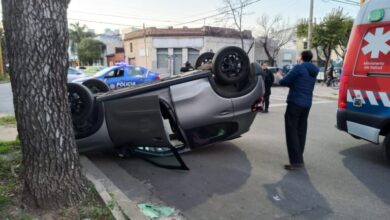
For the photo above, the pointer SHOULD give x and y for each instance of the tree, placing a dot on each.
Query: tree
(275, 33)
(77, 33)
(343, 40)
(235, 9)
(329, 35)
(90, 50)
(36, 36)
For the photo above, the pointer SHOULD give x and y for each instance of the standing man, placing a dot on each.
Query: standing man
(301, 80)
(268, 81)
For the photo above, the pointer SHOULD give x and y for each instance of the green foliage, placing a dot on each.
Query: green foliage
(7, 120)
(90, 50)
(331, 33)
(7, 146)
(77, 33)
(3, 77)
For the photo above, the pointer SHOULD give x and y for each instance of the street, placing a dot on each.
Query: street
(6, 103)
(244, 178)
(345, 178)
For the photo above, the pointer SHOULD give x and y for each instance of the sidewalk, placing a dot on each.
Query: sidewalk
(8, 132)
(322, 91)
(140, 204)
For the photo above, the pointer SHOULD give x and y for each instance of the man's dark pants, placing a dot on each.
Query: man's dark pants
(296, 128)
(267, 94)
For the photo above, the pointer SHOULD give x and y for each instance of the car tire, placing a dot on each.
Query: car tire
(204, 58)
(231, 65)
(96, 86)
(81, 101)
(386, 146)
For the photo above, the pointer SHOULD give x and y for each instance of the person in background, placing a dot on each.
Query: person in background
(301, 80)
(187, 67)
(268, 82)
(329, 75)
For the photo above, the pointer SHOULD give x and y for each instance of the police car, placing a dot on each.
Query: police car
(119, 76)
(364, 95)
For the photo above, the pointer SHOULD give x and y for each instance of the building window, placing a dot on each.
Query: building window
(131, 47)
(193, 54)
(162, 57)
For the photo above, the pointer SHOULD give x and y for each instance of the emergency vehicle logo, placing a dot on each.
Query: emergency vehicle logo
(377, 43)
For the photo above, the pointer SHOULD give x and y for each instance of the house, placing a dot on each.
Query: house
(114, 51)
(165, 50)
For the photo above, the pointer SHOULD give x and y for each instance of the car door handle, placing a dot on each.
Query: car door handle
(224, 113)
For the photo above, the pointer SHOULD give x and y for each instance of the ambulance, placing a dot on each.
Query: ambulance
(364, 95)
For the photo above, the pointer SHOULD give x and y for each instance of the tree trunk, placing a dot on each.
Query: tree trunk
(37, 41)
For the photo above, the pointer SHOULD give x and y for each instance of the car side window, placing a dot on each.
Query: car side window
(135, 71)
(115, 73)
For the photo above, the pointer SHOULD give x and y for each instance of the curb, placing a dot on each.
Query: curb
(123, 206)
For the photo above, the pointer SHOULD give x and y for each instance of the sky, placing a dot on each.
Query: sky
(121, 14)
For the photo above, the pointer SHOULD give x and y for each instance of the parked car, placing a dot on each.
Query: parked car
(171, 115)
(122, 75)
(364, 95)
(321, 74)
(74, 74)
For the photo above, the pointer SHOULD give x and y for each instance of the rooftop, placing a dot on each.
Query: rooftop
(185, 31)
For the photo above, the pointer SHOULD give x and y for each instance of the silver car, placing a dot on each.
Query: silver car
(216, 102)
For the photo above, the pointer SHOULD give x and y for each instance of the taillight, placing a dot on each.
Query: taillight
(158, 76)
(343, 93)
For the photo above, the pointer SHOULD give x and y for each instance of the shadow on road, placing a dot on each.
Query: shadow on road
(296, 196)
(368, 164)
(218, 169)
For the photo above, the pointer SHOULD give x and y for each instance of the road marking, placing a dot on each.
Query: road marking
(314, 103)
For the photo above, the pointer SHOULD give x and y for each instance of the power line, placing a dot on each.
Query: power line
(218, 14)
(347, 2)
(119, 16)
(102, 22)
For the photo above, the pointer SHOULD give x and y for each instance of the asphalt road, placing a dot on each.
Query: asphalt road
(6, 102)
(345, 178)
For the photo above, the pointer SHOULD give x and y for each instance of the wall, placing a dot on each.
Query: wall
(203, 44)
(216, 43)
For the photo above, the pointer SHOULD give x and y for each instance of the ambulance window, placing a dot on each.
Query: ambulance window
(374, 54)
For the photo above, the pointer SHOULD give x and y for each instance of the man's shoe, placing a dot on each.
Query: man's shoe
(265, 111)
(294, 166)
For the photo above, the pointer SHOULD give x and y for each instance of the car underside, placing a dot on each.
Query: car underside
(174, 114)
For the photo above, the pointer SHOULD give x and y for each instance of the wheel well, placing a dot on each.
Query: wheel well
(385, 130)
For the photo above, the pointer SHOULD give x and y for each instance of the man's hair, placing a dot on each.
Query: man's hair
(265, 62)
(306, 55)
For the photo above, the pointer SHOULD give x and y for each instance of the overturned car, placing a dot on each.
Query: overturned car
(216, 102)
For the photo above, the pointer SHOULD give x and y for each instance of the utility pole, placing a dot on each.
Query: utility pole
(310, 29)
(146, 49)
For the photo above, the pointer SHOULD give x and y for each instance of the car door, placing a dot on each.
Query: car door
(135, 75)
(115, 78)
(137, 123)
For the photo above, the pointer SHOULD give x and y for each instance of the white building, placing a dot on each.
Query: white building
(111, 40)
(166, 50)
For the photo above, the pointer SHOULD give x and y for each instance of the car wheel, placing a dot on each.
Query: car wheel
(80, 100)
(96, 86)
(204, 58)
(230, 65)
(386, 146)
